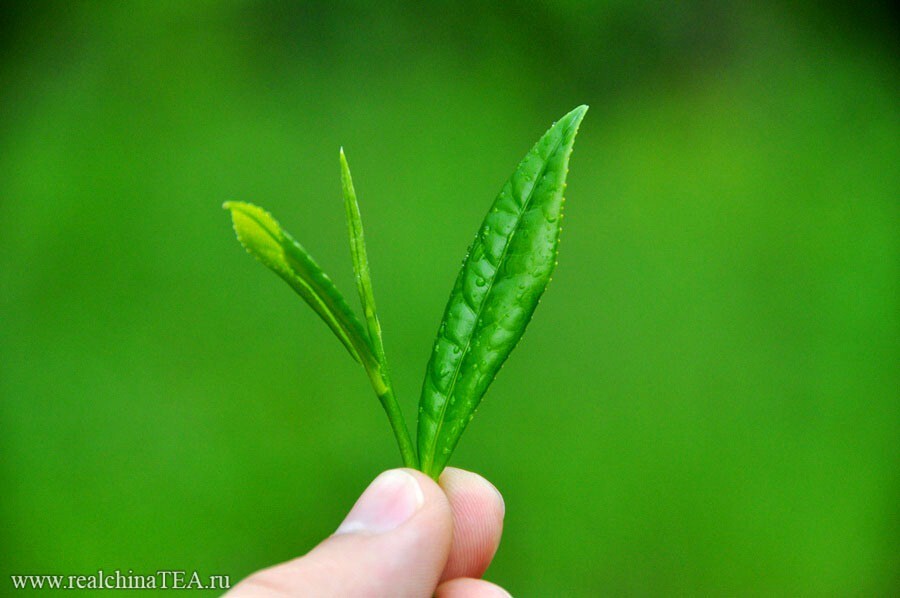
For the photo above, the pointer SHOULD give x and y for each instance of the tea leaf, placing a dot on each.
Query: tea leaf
(264, 239)
(361, 260)
(378, 373)
(502, 279)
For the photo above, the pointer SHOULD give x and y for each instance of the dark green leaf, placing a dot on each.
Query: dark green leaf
(502, 279)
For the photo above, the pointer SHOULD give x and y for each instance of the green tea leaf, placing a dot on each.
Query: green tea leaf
(361, 261)
(378, 372)
(264, 239)
(502, 279)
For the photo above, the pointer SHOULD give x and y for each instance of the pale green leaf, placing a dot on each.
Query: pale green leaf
(264, 239)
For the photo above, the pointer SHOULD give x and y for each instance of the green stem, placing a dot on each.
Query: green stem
(401, 432)
(382, 385)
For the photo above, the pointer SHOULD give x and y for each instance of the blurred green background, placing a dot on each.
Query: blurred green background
(705, 403)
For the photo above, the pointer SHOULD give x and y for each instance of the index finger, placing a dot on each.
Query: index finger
(478, 512)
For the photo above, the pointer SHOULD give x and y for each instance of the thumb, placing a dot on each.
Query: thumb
(395, 541)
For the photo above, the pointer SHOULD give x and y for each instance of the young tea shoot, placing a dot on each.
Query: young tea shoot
(505, 272)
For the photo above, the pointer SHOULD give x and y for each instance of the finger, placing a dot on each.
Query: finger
(478, 512)
(394, 542)
(466, 587)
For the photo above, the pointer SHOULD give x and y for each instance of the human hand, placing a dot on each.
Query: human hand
(405, 536)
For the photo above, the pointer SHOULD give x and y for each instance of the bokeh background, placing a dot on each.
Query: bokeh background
(705, 403)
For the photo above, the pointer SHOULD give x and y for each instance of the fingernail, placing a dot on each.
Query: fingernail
(502, 502)
(389, 501)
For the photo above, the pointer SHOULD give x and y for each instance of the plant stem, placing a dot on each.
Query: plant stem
(401, 432)
(381, 384)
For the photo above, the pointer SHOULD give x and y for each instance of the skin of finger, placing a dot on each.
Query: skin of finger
(466, 587)
(478, 511)
(407, 561)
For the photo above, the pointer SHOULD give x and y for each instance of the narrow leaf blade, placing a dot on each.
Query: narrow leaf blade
(378, 372)
(264, 239)
(361, 261)
(496, 292)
